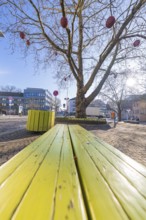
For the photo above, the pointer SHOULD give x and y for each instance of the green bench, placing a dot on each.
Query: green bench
(68, 173)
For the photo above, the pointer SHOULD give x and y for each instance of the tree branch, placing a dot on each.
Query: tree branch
(97, 90)
(112, 44)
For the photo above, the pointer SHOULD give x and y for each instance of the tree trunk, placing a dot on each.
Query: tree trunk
(119, 115)
(80, 103)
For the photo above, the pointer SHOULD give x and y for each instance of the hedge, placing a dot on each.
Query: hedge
(79, 120)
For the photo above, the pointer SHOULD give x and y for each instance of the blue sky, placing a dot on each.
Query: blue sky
(19, 72)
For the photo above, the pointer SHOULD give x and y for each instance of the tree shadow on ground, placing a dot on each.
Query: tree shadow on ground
(14, 135)
(90, 127)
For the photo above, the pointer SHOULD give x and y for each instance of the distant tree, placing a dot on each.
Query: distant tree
(91, 38)
(58, 104)
(9, 89)
(55, 104)
(116, 92)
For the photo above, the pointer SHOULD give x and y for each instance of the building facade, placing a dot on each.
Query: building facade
(19, 103)
(97, 107)
(37, 98)
(139, 110)
(10, 102)
(71, 106)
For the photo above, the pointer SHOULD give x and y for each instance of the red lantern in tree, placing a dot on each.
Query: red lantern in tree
(110, 21)
(28, 42)
(55, 93)
(64, 22)
(22, 35)
(136, 43)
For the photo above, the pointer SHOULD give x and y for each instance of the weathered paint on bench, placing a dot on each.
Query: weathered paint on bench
(120, 184)
(45, 184)
(68, 173)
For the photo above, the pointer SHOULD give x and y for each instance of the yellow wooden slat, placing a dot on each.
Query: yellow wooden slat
(15, 186)
(134, 164)
(69, 201)
(49, 120)
(31, 121)
(28, 120)
(137, 166)
(36, 120)
(101, 201)
(55, 191)
(9, 167)
(41, 121)
(52, 118)
(132, 175)
(45, 122)
(130, 199)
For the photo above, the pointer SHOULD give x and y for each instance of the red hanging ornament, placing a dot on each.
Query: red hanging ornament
(136, 43)
(28, 42)
(110, 21)
(65, 79)
(22, 35)
(55, 93)
(64, 22)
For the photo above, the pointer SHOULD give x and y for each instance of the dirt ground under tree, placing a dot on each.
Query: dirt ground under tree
(128, 138)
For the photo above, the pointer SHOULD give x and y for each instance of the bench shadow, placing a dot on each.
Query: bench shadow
(90, 127)
(16, 135)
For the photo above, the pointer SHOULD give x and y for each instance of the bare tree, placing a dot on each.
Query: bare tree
(84, 45)
(115, 92)
(118, 93)
(55, 104)
(9, 89)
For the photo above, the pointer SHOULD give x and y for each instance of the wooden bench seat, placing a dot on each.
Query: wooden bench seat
(68, 173)
(114, 183)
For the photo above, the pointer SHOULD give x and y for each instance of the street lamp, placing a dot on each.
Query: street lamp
(10, 104)
(66, 80)
(67, 99)
(55, 93)
(128, 111)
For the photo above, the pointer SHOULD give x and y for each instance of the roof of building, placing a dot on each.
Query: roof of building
(97, 103)
(13, 94)
(34, 89)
